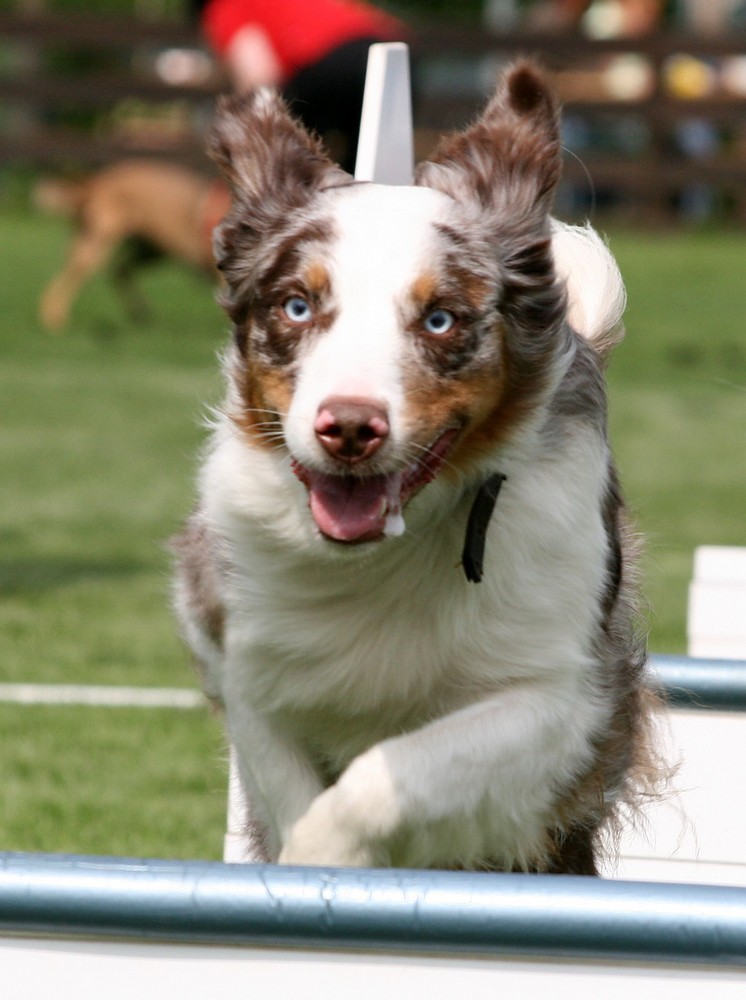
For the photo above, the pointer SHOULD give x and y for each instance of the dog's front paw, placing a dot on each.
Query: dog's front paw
(321, 837)
(314, 843)
(348, 824)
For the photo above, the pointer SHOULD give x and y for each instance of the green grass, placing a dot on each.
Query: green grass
(678, 407)
(100, 432)
(125, 781)
(102, 426)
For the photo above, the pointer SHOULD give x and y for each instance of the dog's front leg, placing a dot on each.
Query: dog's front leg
(350, 823)
(279, 781)
(478, 784)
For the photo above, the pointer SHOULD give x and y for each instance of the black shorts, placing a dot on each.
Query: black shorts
(327, 96)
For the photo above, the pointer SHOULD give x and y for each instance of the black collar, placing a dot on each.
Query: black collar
(472, 558)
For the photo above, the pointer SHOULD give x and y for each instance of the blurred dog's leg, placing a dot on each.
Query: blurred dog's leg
(88, 253)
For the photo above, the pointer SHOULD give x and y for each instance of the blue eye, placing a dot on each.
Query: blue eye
(297, 309)
(439, 322)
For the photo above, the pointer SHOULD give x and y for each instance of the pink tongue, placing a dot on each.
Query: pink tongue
(351, 509)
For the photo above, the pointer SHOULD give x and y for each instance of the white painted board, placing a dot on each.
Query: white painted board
(716, 619)
(37, 969)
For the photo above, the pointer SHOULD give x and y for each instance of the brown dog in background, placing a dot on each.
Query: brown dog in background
(148, 208)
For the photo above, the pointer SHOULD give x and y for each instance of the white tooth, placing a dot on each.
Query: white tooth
(394, 524)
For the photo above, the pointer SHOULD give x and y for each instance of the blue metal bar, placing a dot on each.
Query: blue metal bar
(701, 683)
(462, 912)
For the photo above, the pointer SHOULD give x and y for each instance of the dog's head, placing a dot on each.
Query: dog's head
(388, 335)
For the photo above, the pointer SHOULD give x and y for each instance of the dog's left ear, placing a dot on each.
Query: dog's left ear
(504, 170)
(509, 160)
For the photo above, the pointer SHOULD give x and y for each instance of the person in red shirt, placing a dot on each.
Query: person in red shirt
(315, 51)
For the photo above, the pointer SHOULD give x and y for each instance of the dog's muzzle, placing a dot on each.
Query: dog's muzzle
(349, 506)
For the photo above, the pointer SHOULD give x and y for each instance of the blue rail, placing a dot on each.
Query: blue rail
(461, 912)
(690, 682)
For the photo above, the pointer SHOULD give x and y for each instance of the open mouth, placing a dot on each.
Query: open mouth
(354, 509)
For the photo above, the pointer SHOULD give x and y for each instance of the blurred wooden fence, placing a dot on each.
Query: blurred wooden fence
(656, 127)
(85, 89)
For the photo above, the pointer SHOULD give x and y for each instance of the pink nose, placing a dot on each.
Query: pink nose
(351, 428)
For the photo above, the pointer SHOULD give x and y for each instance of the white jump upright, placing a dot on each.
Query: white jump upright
(716, 619)
(385, 156)
(385, 151)
(698, 834)
(235, 841)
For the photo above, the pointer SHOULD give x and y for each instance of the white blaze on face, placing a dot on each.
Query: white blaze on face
(384, 238)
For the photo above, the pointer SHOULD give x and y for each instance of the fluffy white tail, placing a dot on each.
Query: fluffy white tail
(595, 290)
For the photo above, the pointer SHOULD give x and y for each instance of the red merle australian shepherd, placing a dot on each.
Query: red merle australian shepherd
(407, 578)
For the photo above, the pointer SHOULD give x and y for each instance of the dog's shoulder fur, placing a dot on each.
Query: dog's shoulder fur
(393, 349)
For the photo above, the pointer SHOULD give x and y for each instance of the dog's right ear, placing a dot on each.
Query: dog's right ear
(274, 168)
(268, 158)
